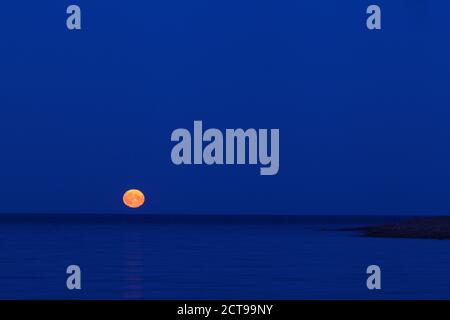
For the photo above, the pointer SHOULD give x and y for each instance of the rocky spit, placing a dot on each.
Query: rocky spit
(418, 228)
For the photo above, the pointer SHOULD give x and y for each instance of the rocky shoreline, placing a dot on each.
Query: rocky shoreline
(420, 228)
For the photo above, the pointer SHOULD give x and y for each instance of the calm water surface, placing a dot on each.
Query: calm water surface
(223, 258)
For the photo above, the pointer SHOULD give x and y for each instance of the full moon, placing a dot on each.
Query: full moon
(133, 198)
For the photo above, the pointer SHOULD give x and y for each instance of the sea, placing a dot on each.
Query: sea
(214, 257)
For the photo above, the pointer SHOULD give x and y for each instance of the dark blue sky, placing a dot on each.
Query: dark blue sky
(364, 117)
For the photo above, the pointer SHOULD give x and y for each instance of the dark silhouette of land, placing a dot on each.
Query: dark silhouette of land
(420, 228)
(376, 226)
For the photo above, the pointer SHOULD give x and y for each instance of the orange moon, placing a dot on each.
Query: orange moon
(133, 198)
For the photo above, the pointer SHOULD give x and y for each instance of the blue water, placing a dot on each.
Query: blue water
(191, 257)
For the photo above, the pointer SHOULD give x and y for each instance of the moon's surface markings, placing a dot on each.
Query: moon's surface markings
(133, 198)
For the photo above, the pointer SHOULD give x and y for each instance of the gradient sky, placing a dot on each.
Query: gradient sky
(364, 117)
